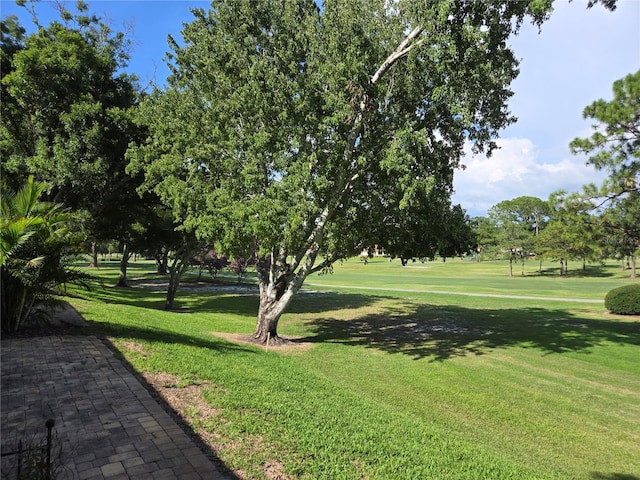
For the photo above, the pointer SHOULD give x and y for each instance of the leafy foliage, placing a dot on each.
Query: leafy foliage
(210, 260)
(572, 232)
(615, 144)
(621, 223)
(37, 241)
(615, 147)
(295, 128)
(515, 225)
(624, 300)
(67, 118)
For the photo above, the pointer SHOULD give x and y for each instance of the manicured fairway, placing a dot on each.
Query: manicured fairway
(387, 384)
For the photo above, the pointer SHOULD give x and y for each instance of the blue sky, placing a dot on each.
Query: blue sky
(573, 61)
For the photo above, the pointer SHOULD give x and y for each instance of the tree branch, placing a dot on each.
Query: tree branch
(314, 240)
(401, 50)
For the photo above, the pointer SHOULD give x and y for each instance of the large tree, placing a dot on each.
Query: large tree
(67, 116)
(283, 121)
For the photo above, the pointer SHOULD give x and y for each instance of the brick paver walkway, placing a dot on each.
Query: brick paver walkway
(106, 423)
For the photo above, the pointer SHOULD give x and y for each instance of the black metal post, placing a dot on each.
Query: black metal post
(19, 457)
(49, 424)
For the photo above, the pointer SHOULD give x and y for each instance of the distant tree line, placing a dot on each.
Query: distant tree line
(600, 222)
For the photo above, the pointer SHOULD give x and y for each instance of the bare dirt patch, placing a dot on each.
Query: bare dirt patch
(275, 471)
(132, 346)
(186, 402)
(185, 399)
(285, 344)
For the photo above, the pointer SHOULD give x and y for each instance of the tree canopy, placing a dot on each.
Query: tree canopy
(283, 124)
(615, 143)
(615, 147)
(68, 118)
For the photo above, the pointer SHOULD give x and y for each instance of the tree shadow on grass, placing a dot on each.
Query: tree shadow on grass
(213, 300)
(442, 332)
(576, 271)
(156, 335)
(304, 303)
(613, 476)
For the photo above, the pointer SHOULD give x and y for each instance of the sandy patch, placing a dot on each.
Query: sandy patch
(180, 395)
(131, 346)
(286, 343)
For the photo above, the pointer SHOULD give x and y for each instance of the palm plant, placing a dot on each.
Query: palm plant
(36, 246)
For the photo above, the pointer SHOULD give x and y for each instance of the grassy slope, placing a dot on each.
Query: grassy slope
(407, 385)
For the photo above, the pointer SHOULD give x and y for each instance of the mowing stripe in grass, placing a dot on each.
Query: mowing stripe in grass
(444, 292)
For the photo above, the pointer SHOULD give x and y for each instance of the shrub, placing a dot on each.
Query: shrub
(38, 241)
(624, 300)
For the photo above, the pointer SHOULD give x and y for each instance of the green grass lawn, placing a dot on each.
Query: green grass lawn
(401, 384)
(464, 276)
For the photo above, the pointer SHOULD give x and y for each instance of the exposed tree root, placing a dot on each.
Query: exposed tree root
(281, 344)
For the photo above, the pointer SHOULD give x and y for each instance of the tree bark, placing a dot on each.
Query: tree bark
(162, 261)
(267, 325)
(124, 261)
(176, 270)
(272, 306)
(633, 266)
(94, 255)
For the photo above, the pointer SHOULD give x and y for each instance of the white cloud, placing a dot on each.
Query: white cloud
(512, 161)
(515, 170)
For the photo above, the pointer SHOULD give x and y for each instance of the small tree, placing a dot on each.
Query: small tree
(487, 237)
(514, 234)
(37, 242)
(212, 261)
(238, 265)
(181, 259)
(572, 233)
